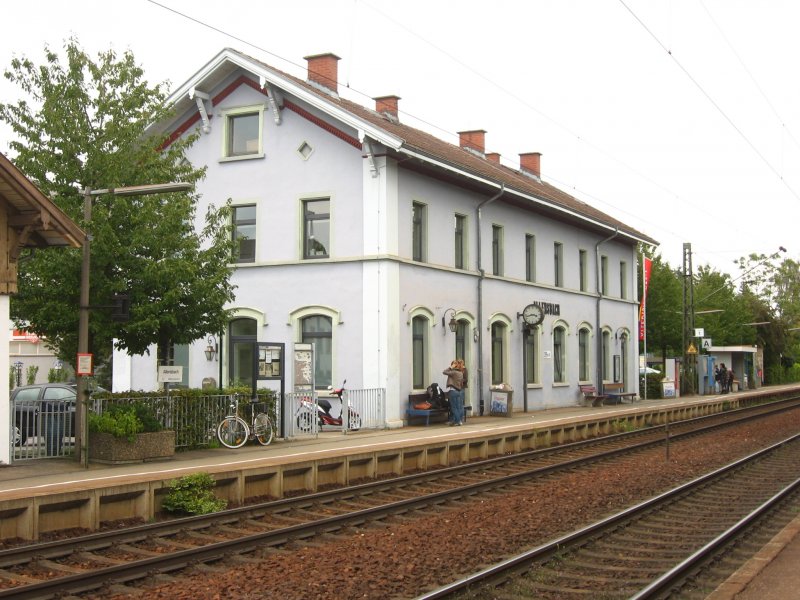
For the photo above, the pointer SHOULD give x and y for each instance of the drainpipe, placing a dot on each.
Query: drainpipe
(599, 386)
(481, 277)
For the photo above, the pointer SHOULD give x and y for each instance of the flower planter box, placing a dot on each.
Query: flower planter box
(105, 448)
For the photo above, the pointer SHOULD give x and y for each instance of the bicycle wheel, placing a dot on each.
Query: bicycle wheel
(232, 432)
(305, 420)
(262, 429)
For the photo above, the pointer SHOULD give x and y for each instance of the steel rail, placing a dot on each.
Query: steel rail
(521, 562)
(674, 577)
(212, 552)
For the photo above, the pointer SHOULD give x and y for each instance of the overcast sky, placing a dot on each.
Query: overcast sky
(680, 118)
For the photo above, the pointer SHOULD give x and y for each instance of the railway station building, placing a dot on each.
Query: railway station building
(393, 251)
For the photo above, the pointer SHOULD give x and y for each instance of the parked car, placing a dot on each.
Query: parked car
(32, 403)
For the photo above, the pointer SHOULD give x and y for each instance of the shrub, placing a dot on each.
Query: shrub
(192, 495)
(125, 420)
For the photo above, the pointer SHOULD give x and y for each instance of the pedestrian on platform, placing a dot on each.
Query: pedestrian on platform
(731, 377)
(455, 392)
(723, 378)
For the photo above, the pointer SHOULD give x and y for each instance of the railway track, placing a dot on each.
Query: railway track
(108, 558)
(680, 544)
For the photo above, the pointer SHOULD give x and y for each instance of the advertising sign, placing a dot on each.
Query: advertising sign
(84, 365)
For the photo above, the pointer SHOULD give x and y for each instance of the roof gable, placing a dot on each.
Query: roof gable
(473, 168)
(38, 221)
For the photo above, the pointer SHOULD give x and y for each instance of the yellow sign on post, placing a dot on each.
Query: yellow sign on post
(691, 349)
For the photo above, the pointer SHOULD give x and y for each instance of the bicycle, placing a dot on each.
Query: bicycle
(233, 431)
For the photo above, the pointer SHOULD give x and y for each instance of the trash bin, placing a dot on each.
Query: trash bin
(502, 401)
(667, 388)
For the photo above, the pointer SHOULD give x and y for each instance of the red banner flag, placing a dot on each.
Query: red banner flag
(646, 268)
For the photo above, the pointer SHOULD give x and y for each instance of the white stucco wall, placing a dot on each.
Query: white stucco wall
(371, 285)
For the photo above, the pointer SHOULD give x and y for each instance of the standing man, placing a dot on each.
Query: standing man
(455, 388)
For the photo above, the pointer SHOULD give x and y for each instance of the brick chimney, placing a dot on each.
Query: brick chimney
(387, 105)
(493, 157)
(473, 140)
(323, 69)
(531, 162)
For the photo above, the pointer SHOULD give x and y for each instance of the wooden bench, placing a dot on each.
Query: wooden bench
(590, 395)
(427, 413)
(615, 393)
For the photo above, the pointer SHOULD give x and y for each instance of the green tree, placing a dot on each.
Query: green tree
(83, 123)
(787, 299)
(773, 289)
(715, 291)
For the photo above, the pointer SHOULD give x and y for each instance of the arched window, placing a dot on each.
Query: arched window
(624, 352)
(462, 336)
(498, 352)
(583, 355)
(606, 355)
(419, 351)
(559, 354)
(317, 330)
(242, 337)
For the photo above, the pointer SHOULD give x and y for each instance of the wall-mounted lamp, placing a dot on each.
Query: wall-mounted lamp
(452, 323)
(475, 334)
(211, 348)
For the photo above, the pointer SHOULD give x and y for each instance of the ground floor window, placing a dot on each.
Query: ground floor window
(532, 356)
(242, 338)
(583, 355)
(419, 352)
(559, 355)
(498, 352)
(317, 330)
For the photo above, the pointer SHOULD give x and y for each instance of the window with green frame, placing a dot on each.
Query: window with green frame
(316, 228)
(460, 241)
(418, 225)
(583, 354)
(530, 258)
(244, 232)
(532, 356)
(559, 355)
(419, 345)
(317, 330)
(498, 352)
(606, 356)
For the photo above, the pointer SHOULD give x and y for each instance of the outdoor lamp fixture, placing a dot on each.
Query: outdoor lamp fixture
(452, 323)
(211, 348)
(81, 406)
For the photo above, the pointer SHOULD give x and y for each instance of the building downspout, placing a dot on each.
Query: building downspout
(598, 284)
(481, 277)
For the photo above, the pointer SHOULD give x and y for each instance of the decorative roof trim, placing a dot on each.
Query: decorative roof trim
(322, 124)
(289, 86)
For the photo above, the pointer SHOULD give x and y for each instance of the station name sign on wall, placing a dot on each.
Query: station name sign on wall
(549, 308)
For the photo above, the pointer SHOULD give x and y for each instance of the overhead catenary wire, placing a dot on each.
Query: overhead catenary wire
(713, 102)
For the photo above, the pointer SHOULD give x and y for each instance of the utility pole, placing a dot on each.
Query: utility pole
(689, 379)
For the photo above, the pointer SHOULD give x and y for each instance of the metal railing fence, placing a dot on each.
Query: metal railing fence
(47, 430)
(367, 411)
(42, 429)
